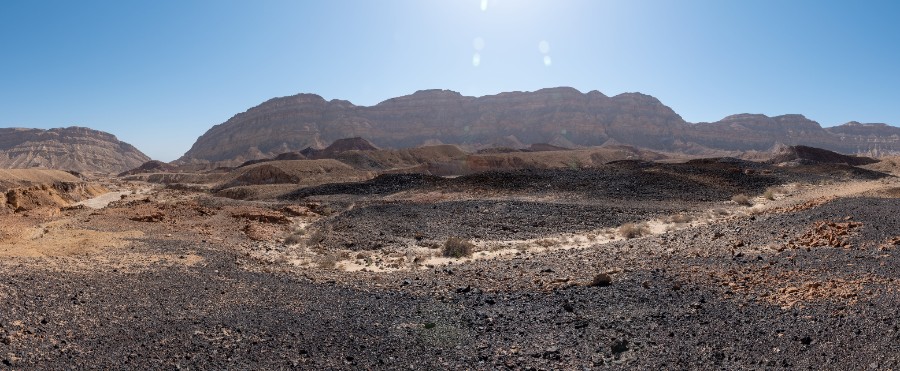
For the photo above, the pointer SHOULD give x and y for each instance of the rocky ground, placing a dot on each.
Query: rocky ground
(351, 276)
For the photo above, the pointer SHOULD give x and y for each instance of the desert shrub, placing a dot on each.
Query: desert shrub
(328, 261)
(315, 238)
(295, 238)
(769, 194)
(631, 230)
(576, 163)
(547, 242)
(742, 199)
(681, 218)
(457, 248)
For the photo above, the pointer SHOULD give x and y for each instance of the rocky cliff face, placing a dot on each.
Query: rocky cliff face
(440, 116)
(556, 115)
(74, 149)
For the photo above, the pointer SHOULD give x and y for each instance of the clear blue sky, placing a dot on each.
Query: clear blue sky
(160, 73)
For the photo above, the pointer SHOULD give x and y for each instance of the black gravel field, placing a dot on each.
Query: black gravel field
(739, 294)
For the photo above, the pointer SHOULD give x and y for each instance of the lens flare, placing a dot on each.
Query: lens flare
(476, 59)
(484, 5)
(478, 43)
(547, 61)
(544, 47)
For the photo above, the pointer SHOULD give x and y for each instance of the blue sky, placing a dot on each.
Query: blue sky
(160, 73)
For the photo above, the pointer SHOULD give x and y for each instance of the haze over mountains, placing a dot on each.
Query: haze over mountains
(561, 116)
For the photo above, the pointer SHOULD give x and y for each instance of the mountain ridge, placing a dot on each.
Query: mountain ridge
(71, 148)
(561, 114)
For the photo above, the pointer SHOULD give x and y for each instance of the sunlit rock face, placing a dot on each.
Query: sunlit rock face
(554, 115)
(73, 149)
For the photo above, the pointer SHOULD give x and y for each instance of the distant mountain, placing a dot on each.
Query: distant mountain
(560, 116)
(73, 148)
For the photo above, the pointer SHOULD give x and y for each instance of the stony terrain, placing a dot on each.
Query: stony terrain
(559, 116)
(629, 265)
(72, 149)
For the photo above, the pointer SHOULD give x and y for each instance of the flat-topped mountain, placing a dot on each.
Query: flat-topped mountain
(555, 115)
(73, 148)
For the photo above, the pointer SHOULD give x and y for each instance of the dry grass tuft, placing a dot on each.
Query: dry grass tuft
(742, 199)
(547, 242)
(632, 230)
(681, 218)
(457, 248)
(295, 238)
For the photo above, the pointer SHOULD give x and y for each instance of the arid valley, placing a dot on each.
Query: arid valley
(541, 258)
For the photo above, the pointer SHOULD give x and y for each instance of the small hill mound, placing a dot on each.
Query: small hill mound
(306, 172)
(290, 156)
(812, 155)
(339, 146)
(296, 155)
(29, 189)
(398, 159)
(152, 166)
(542, 147)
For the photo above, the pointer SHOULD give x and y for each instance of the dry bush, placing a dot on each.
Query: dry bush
(295, 238)
(457, 248)
(742, 199)
(315, 238)
(681, 218)
(547, 242)
(631, 230)
(328, 261)
(769, 194)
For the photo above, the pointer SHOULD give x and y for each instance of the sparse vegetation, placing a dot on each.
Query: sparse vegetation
(742, 199)
(315, 238)
(457, 248)
(632, 230)
(328, 261)
(576, 163)
(547, 242)
(681, 218)
(295, 238)
(769, 194)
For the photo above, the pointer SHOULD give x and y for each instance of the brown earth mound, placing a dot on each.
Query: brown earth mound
(557, 159)
(804, 154)
(281, 157)
(414, 159)
(541, 147)
(339, 146)
(886, 165)
(300, 172)
(25, 189)
(152, 166)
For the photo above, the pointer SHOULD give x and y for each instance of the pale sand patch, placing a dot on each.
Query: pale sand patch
(105, 199)
(60, 239)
